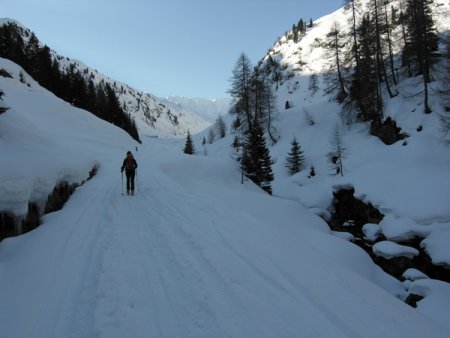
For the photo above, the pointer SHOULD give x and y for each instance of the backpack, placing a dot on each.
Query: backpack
(129, 164)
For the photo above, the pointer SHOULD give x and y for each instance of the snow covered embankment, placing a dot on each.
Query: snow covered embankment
(44, 142)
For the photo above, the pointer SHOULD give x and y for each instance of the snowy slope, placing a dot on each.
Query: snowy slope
(409, 181)
(193, 254)
(152, 117)
(306, 56)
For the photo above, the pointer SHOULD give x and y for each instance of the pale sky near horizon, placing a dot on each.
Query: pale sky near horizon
(164, 47)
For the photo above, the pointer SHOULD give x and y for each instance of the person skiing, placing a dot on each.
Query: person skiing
(130, 165)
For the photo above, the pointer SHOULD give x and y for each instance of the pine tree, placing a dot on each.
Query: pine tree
(189, 146)
(2, 109)
(256, 162)
(338, 151)
(236, 123)
(378, 20)
(313, 87)
(221, 127)
(294, 33)
(445, 92)
(421, 41)
(301, 26)
(295, 159)
(365, 94)
(211, 136)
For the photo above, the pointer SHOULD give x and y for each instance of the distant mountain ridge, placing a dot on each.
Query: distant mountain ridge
(207, 109)
(153, 116)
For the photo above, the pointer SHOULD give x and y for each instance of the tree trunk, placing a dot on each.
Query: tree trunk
(391, 54)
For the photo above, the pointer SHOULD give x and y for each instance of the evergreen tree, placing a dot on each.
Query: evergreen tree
(380, 30)
(236, 143)
(295, 159)
(189, 146)
(294, 33)
(406, 62)
(236, 123)
(301, 26)
(211, 136)
(221, 127)
(313, 86)
(338, 151)
(2, 109)
(256, 162)
(421, 41)
(445, 92)
(365, 94)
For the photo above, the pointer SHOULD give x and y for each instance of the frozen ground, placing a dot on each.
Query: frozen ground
(193, 254)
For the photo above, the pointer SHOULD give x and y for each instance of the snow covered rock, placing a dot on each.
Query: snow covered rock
(348, 208)
(436, 245)
(388, 250)
(371, 231)
(414, 274)
(402, 229)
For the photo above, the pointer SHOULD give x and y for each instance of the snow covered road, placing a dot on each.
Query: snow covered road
(193, 254)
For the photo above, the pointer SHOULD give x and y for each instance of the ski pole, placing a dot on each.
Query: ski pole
(122, 182)
(137, 180)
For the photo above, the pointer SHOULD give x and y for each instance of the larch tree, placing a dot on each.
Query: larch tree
(335, 79)
(240, 90)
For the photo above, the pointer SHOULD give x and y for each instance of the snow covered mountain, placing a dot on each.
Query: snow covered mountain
(151, 115)
(292, 61)
(198, 254)
(209, 110)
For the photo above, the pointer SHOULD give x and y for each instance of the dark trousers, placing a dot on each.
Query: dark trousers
(130, 179)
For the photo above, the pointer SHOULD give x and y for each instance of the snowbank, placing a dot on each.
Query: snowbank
(38, 149)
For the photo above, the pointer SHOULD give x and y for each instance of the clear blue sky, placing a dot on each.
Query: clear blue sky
(164, 47)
